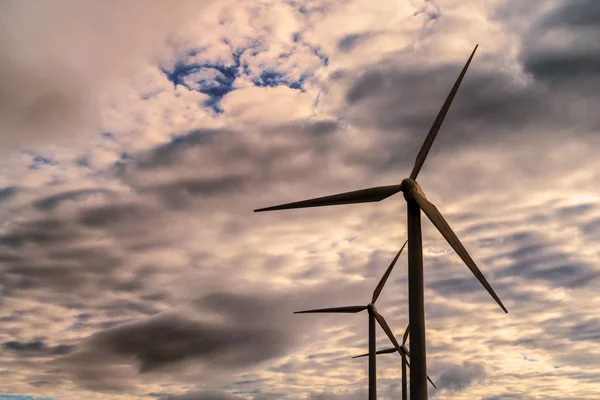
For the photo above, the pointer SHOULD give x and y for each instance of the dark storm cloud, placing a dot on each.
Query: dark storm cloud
(68, 259)
(591, 228)
(349, 42)
(168, 154)
(531, 256)
(574, 14)
(453, 286)
(59, 260)
(40, 231)
(559, 67)
(309, 128)
(492, 105)
(8, 192)
(488, 102)
(543, 262)
(588, 330)
(112, 214)
(181, 192)
(576, 58)
(230, 145)
(402, 102)
(250, 328)
(165, 340)
(238, 162)
(36, 348)
(459, 377)
(169, 339)
(575, 211)
(50, 202)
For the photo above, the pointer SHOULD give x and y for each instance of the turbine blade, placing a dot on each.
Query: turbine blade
(430, 381)
(387, 330)
(385, 276)
(348, 309)
(358, 196)
(437, 123)
(384, 351)
(428, 378)
(387, 351)
(406, 332)
(440, 223)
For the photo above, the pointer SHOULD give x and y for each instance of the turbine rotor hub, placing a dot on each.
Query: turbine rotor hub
(409, 186)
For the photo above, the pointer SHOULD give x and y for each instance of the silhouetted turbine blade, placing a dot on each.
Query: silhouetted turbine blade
(394, 350)
(358, 196)
(384, 351)
(405, 337)
(385, 276)
(440, 223)
(428, 378)
(437, 123)
(387, 330)
(430, 381)
(348, 309)
(387, 351)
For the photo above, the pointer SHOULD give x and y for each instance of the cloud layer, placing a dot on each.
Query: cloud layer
(137, 146)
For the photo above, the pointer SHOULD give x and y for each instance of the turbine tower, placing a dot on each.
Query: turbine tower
(373, 315)
(416, 202)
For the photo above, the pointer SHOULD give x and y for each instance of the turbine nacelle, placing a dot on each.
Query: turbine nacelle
(410, 186)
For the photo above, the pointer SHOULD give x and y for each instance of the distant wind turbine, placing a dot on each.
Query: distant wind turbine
(404, 353)
(416, 201)
(373, 315)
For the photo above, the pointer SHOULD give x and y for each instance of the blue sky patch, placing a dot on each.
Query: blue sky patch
(212, 79)
(270, 78)
(217, 79)
(6, 396)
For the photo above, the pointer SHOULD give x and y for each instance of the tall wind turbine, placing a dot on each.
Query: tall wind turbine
(404, 353)
(373, 315)
(416, 201)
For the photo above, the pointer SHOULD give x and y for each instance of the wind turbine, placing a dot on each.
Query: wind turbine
(404, 353)
(416, 201)
(373, 315)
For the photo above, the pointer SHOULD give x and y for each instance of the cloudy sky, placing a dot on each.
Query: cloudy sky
(137, 137)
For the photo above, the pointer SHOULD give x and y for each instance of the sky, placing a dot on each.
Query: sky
(137, 138)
